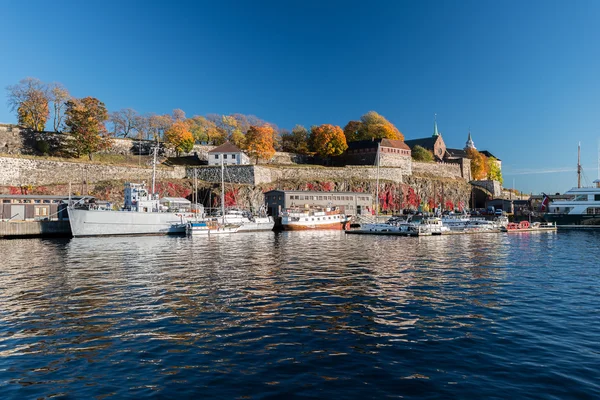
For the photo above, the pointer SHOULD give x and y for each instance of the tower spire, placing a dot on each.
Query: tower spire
(470, 144)
(435, 129)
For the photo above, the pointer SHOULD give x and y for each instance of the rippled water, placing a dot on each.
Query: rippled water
(302, 314)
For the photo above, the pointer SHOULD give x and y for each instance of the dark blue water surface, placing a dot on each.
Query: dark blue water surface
(301, 315)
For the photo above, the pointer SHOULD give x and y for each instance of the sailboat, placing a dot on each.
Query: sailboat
(218, 226)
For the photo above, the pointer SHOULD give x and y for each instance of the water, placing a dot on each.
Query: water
(302, 315)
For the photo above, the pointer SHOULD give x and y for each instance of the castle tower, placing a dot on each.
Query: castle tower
(470, 144)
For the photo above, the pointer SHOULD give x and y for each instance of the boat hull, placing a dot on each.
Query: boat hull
(570, 219)
(110, 223)
(299, 226)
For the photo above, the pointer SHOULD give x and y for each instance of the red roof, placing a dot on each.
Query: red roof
(226, 147)
(397, 144)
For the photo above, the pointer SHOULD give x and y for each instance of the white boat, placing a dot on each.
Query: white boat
(210, 227)
(582, 209)
(306, 219)
(429, 226)
(249, 222)
(142, 214)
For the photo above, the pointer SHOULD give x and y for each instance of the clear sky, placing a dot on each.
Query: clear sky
(524, 76)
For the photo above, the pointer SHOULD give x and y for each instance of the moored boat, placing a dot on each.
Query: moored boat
(582, 209)
(142, 214)
(306, 219)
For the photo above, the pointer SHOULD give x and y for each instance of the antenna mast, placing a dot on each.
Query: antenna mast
(579, 165)
(154, 169)
(377, 188)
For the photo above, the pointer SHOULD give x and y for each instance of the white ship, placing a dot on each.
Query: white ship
(143, 214)
(249, 222)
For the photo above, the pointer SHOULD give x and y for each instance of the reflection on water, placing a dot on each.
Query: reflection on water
(301, 313)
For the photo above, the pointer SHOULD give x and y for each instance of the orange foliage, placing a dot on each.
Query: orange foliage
(328, 140)
(259, 142)
(179, 137)
(479, 164)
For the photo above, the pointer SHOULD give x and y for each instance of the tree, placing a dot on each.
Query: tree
(420, 153)
(204, 130)
(59, 96)
(124, 122)
(85, 120)
(494, 171)
(295, 141)
(178, 115)
(179, 138)
(259, 142)
(30, 98)
(371, 126)
(478, 164)
(328, 140)
(351, 131)
(158, 124)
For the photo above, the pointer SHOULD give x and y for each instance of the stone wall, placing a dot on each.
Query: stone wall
(434, 169)
(259, 175)
(16, 171)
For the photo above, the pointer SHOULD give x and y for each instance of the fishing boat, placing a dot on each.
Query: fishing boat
(314, 218)
(143, 213)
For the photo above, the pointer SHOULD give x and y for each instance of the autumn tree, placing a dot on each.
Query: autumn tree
(479, 165)
(59, 96)
(179, 138)
(328, 140)
(124, 122)
(85, 121)
(420, 153)
(259, 142)
(295, 141)
(30, 98)
(351, 131)
(494, 171)
(204, 130)
(371, 126)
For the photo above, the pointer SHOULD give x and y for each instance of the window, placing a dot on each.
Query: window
(216, 156)
(233, 156)
(597, 197)
(581, 197)
(224, 156)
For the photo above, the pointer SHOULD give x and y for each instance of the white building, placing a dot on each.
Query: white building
(229, 153)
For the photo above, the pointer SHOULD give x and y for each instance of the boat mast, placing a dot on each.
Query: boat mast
(377, 184)
(222, 190)
(579, 165)
(154, 169)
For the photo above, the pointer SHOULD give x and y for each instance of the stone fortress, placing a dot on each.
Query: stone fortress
(19, 165)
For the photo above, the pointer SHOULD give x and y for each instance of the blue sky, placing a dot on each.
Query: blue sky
(524, 76)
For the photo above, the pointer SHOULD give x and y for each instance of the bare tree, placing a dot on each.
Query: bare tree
(59, 96)
(124, 121)
(178, 115)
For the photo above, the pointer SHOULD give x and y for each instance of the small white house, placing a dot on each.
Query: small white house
(229, 153)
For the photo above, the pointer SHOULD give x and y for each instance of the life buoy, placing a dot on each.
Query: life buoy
(346, 225)
(511, 226)
(524, 225)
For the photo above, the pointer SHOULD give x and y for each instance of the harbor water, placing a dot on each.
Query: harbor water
(302, 315)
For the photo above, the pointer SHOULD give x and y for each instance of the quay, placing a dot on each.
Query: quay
(24, 216)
